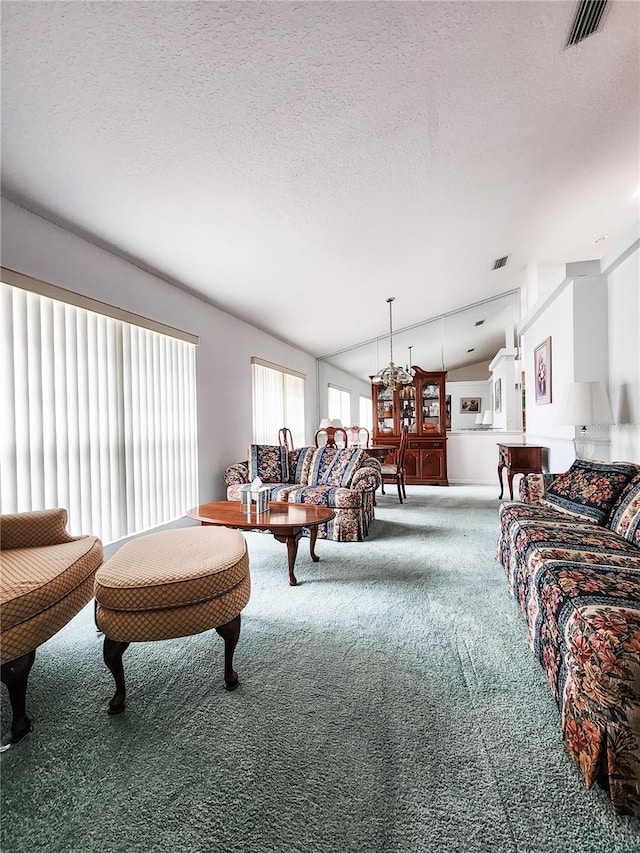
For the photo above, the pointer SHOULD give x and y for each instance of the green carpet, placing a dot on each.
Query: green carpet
(388, 704)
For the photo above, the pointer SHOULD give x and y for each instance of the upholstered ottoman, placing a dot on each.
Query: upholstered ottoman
(172, 584)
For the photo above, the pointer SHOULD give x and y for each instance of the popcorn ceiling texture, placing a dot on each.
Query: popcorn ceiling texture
(238, 147)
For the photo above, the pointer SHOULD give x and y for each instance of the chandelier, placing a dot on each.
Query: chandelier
(392, 375)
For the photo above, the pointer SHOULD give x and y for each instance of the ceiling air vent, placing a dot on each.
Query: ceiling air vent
(500, 262)
(587, 20)
(479, 322)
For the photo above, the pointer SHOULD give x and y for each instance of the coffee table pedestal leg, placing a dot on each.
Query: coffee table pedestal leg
(313, 535)
(291, 538)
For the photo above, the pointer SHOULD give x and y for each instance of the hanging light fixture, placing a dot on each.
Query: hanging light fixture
(392, 375)
(408, 366)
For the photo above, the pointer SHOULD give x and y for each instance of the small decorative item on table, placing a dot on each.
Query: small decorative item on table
(255, 496)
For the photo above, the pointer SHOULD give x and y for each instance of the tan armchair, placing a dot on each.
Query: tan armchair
(46, 578)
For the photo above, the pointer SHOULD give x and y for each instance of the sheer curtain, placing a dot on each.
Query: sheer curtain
(278, 401)
(98, 416)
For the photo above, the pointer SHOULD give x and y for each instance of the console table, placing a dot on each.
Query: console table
(518, 459)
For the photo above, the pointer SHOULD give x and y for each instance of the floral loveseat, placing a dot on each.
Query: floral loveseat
(571, 552)
(344, 480)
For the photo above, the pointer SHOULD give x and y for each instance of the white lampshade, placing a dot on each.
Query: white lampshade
(479, 419)
(586, 403)
(336, 422)
(324, 423)
(487, 418)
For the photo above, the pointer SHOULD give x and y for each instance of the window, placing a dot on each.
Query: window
(339, 405)
(98, 415)
(366, 413)
(278, 401)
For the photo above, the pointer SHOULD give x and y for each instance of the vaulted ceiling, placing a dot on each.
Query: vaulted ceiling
(297, 163)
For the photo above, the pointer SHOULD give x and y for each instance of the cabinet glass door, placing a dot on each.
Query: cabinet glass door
(431, 408)
(407, 407)
(385, 411)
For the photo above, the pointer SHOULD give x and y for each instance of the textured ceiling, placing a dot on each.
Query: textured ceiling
(279, 156)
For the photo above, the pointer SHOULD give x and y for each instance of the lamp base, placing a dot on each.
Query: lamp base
(583, 444)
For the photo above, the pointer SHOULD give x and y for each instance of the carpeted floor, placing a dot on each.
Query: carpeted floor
(388, 704)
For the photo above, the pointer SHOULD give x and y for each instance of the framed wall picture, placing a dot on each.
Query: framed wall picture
(470, 405)
(497, 395)
(542, 372)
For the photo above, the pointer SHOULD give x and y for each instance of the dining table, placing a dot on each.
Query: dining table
(381, 451)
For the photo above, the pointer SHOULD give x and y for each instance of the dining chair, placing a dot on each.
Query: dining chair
(393, 472)
(285, 438)
(331, 433)
(358, 436)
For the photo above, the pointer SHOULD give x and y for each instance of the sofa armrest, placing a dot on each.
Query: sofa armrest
(533, 486)
(35, 529)
(367, 478)
(237, 474)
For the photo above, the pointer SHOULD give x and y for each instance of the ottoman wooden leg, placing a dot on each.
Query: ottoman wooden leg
(230, 633)
(112, 652)
(15, 674)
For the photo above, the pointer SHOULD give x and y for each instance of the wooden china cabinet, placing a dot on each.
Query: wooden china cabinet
(422, 407)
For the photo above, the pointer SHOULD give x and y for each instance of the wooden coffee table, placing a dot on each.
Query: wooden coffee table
(284, 520)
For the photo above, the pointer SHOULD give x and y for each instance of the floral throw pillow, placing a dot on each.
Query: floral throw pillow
(269, 462)
(343, 467)
(589, 489)
(625, 518)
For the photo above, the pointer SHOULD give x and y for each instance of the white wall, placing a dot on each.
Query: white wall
(35, 247)
(472, 457)
(457, 390)
(593, 319)
(624, 356)
(503, 370)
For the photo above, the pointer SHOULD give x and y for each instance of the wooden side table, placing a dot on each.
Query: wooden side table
(518, 459)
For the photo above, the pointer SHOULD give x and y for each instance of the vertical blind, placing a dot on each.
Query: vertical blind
(98, 416)
(278, 401)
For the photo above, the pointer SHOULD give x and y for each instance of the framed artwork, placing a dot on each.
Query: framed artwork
(470, 405)
(497, 395)
(542, 372)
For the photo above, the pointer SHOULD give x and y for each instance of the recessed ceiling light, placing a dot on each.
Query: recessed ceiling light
(601, 238)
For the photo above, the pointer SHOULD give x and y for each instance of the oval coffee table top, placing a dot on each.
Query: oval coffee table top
(280, 514)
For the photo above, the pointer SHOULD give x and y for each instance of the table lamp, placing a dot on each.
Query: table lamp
(586, 404)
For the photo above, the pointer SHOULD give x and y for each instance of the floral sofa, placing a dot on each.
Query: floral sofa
(344, 480)
(571, 552)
